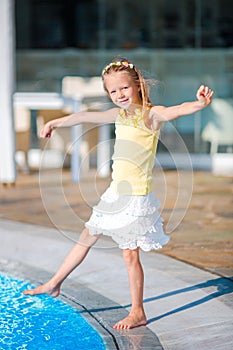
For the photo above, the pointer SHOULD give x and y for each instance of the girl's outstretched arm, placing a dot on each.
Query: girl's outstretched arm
(105, 117)
(162, 114)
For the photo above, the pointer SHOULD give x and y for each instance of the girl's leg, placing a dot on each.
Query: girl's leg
(137, 315)
(72, 260)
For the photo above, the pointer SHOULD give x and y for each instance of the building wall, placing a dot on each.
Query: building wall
(177, 47)
(175, 74)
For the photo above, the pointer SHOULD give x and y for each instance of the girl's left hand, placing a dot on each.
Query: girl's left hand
(204, 95)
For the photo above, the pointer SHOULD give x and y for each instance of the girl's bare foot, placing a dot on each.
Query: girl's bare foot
(131, 321)
(46, 288)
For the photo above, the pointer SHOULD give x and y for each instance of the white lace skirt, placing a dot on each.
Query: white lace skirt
(131, 221)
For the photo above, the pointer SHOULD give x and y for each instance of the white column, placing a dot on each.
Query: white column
(103, 151)
(7, 136)
(76, 136)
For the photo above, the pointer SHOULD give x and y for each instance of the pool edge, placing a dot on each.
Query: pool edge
(99, 311)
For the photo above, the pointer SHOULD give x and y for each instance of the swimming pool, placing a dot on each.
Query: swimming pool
(41, 322)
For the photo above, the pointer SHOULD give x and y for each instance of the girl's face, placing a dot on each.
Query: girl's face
(122, 89)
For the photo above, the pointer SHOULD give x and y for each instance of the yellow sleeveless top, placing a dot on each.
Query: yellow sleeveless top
(134, 155)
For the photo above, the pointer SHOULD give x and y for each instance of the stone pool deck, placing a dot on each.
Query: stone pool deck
(196, 207)
(187, 307)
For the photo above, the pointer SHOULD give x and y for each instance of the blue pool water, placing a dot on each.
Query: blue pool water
(41, 322)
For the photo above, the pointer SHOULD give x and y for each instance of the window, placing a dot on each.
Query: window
(110, 24)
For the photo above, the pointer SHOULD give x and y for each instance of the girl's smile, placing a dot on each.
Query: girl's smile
(122, 89)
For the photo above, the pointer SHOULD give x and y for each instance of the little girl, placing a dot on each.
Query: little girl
(128, 210)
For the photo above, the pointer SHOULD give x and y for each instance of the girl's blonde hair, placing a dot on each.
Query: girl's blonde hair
(122, 64)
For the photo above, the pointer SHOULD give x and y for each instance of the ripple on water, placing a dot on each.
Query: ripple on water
(41, 322)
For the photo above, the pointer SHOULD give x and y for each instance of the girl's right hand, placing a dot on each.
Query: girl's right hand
(46, 131)
(204, 95)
